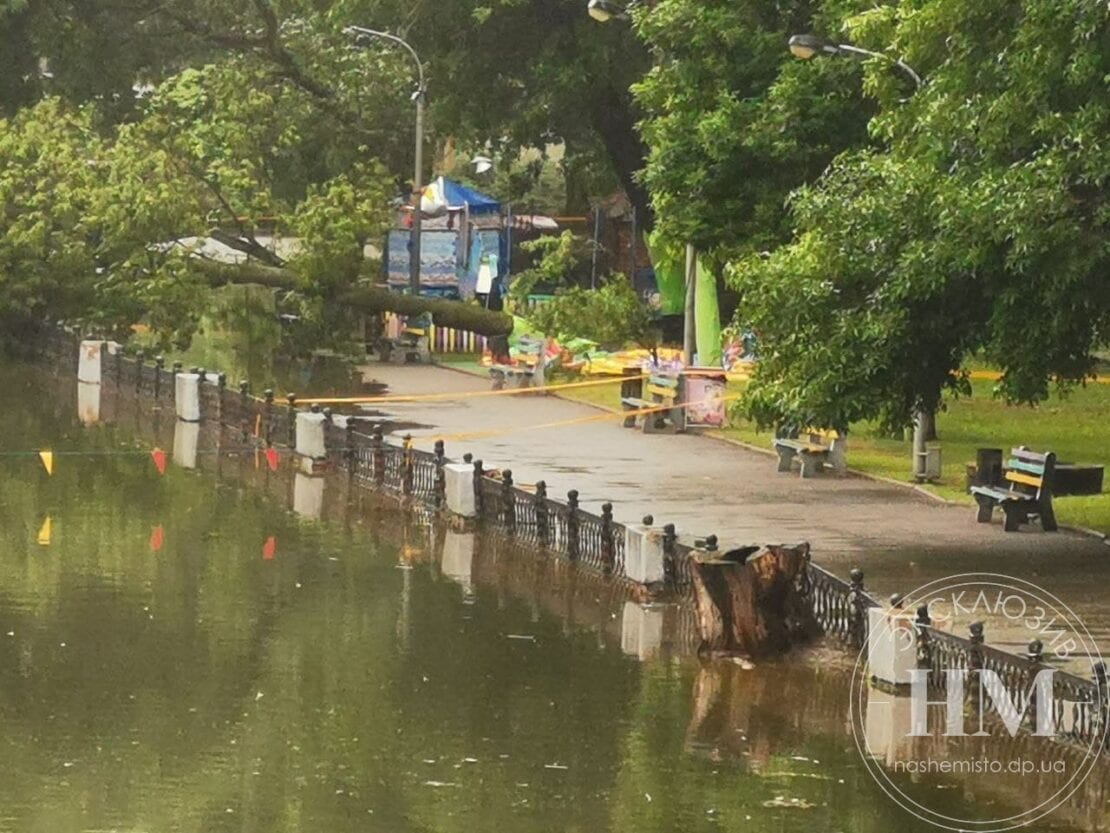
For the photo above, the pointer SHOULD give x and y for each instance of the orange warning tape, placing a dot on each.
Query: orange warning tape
(496, 432)
(426, 397)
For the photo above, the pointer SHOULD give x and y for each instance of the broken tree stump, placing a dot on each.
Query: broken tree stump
(750, 604)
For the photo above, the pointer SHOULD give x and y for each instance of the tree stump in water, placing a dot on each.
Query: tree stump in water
(749, 602)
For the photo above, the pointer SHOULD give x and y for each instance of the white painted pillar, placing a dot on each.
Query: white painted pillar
(308, 496)
(891, 645)
(643, 553)
(459, 482)
(186, 437)
(90, 362)
(187, 396)
(310, 437)
(642, 630)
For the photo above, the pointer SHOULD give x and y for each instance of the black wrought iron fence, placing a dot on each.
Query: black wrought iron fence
(841, 607)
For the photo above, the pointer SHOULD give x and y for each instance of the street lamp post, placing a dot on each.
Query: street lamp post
(417, 180)
(811, 46)
(605, 10)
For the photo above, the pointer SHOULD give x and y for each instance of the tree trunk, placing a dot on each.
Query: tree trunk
(369, 299)
(929, 424)
(615, 122)
(751, 607)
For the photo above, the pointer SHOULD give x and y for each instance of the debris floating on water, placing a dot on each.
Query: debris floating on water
(555, 766)
(524, 637)
(792, 803)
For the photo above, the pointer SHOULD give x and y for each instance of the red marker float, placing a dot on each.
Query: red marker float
(157, 538)
(159, 457)
(269, 549)
(272, 458)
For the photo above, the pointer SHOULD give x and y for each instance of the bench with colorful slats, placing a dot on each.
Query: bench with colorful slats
(1027, 495)
(663, 393)
(411, 344)
(813, 449)
(530, 369)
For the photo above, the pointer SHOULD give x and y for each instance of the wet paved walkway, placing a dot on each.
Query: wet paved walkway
(901, 539)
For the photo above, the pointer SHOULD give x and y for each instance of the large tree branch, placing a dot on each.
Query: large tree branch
(366, 298)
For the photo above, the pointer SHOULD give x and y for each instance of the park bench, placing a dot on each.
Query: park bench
(1026, 493)
(663, 391)
(532, 369)
(412, 343)
(813, 449)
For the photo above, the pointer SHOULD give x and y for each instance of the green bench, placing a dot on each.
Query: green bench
(1027, 495)
(663, 393)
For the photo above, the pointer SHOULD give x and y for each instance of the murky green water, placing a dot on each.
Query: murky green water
(181, 652)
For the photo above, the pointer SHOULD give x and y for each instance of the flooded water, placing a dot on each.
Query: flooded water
(181, 652)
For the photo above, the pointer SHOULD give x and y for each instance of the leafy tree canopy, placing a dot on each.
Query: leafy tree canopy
(978, 223)
(734, 123)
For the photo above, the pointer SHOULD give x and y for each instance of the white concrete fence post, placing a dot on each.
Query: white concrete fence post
(310, 439)
(187, 396)
(643, 552)
(459, 483)
(90, 365)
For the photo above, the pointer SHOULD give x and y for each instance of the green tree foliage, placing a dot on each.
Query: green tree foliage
(612, 315)
(734, 122)
(979, 225)
(557, 259)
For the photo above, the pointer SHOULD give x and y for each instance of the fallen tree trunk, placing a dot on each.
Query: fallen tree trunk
(367, 298)
(749, 604)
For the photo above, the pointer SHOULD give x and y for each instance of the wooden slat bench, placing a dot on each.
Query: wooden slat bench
(1027, 495)
(411, 344)
(664, 391)
(532, 369)
(813, 449)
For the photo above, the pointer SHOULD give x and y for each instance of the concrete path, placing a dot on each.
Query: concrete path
(901, 539)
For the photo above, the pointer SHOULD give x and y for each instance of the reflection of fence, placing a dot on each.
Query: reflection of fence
(532, 517)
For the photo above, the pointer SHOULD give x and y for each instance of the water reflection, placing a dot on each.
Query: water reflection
(188, 654)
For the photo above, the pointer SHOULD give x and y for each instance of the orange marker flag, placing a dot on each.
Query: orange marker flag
(272, 458)
(159, 457)
(47, 458)
(269, 549)
(45, 532)
(157, 538)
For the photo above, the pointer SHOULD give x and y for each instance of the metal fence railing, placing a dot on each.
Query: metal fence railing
(841, 607)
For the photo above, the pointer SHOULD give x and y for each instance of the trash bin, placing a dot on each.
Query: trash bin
(988, 467)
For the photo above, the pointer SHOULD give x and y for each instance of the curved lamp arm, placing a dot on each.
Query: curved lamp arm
(809, 46)
(375, 33)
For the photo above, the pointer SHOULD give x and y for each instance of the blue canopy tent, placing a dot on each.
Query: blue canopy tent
(451, 250)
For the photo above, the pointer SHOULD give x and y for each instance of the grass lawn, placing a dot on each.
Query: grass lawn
(1076, 428)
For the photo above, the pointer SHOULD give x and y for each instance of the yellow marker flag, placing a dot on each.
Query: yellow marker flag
(45, 531)
(47, 461)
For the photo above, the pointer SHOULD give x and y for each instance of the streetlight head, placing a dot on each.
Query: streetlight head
(807, 46)
(605, 10)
